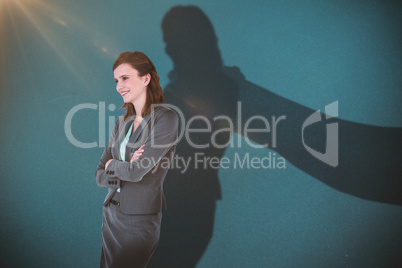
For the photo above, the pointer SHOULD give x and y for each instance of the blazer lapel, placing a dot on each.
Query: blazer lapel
(122, 131)
(139, 136)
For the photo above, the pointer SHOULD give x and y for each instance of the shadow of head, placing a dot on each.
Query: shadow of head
(190, 37)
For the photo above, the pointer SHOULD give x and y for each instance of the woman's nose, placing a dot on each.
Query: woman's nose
(118, 87)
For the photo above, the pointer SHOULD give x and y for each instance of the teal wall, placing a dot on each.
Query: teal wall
(58, 54)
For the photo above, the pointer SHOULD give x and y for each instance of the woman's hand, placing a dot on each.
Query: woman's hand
(137, 154)
(107, 163)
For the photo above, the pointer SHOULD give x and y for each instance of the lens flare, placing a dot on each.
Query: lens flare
(56, 27)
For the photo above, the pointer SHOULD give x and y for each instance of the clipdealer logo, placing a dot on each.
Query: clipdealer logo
(330, 156)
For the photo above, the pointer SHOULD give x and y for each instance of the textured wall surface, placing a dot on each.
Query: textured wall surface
(56, 55)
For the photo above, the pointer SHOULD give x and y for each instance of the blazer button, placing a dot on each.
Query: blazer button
(109, 182)
(113, 172)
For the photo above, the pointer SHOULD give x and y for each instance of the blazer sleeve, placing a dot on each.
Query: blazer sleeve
(162, 137)
(101, 174)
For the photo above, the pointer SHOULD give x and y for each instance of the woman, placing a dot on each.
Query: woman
(134, 165)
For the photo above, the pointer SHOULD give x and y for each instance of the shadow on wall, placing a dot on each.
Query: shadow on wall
(201, 85)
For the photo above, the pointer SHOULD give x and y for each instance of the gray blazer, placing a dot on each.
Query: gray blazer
(140, 181)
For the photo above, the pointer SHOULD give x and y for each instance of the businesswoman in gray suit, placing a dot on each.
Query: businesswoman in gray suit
(134, 165)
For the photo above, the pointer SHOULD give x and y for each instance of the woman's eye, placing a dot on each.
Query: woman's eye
(125, 78)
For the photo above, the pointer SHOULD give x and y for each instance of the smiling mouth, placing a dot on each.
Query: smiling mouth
(124, 93)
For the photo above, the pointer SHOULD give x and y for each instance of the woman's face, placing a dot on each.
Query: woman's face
(129, 84)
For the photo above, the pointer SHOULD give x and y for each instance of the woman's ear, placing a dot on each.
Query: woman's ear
(147, 79)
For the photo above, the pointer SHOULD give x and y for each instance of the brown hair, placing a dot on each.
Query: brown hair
(144, 66)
